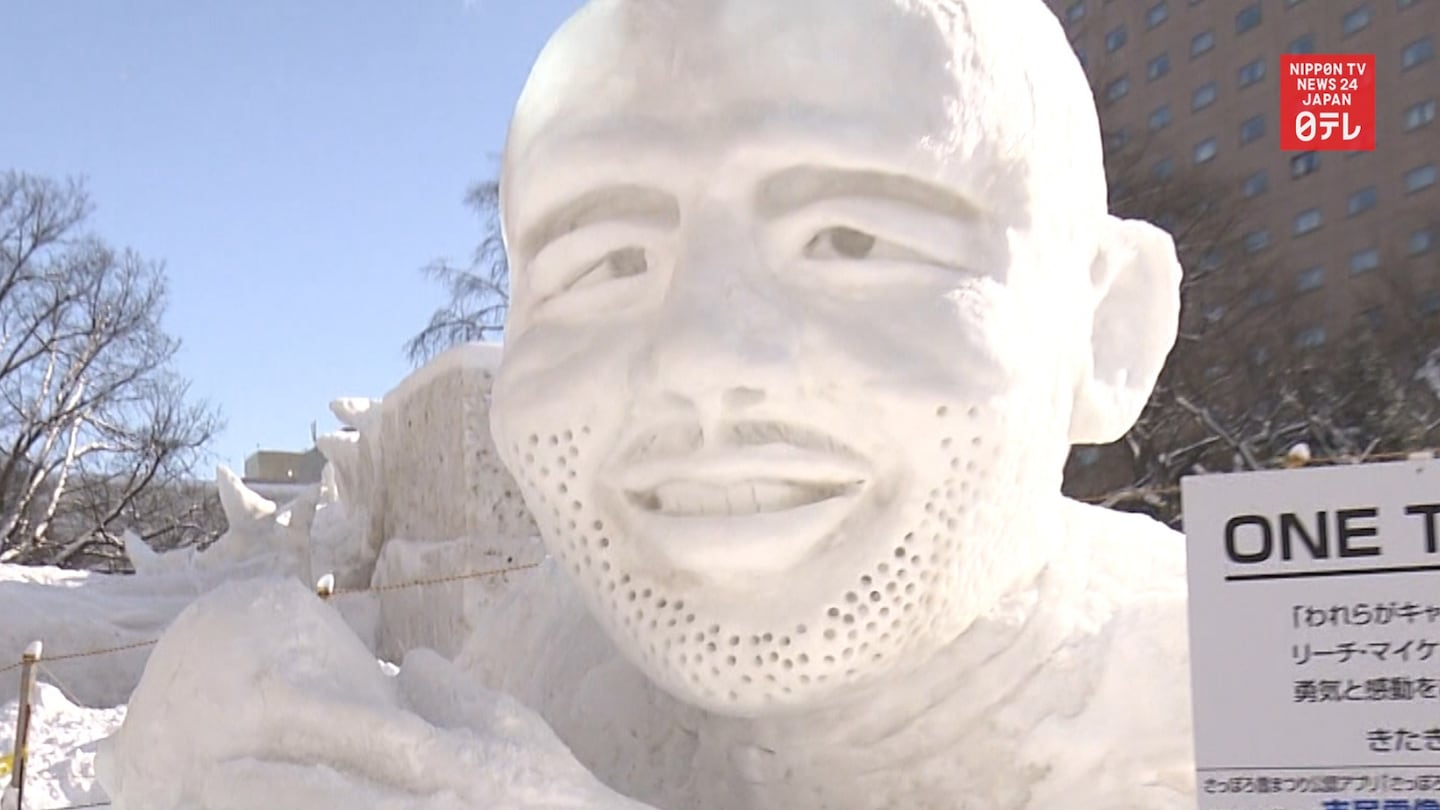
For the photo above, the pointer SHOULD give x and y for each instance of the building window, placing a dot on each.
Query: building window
(1160, 118)
(1252, 72)
(1164, 168)
(1115, 40)
(1158, 67)
(1421, 241)
(1116, 90)
(1307, 221)
(1203, 96)
(1158, 13)
(1115, 141)
(1304, 163)
(1202, 43)
(1362, 201)
(1076, 11)
(1355, 20)
(1310, 279)
(1404, 4)
(1248, 18)
(1418, 115)
(1262, 296)
(1252, 128)
(1311, 338)
(1255, 185)
(1301, 44)
(1256, 241)
(1417, 52)
(1212, 260)
(1205, 150)
(1080, 54)
(1087, 456)
(1420, 177)
(1289, 4)
(1364, 261)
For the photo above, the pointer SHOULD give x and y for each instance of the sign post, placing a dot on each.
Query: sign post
(1315, 637)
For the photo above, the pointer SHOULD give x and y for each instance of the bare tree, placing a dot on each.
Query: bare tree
(478, 295)
(91, 419)
(1242, 386)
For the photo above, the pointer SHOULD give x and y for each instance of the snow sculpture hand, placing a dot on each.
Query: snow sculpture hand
(260, 696)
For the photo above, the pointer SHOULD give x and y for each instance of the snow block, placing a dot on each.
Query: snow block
(443, 478)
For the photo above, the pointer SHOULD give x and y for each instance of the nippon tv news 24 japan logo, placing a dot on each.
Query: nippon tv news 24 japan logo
(1327, 102)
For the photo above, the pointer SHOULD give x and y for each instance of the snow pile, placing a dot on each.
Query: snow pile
(63, 741)
(75, 611)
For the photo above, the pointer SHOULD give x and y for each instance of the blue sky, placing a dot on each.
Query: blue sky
(293, 163)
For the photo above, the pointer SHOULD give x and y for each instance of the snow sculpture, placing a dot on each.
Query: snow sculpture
(809, 300)
(261, 535)
(443, 477)
(796, 352)
(348, 531)
(450, 506)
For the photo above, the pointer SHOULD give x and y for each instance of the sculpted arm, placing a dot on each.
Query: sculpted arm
(260, 696)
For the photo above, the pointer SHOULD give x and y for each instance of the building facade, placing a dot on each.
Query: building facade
(284, 467)
(1349, 238)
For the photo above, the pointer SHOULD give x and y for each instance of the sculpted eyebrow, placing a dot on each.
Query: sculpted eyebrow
(611, 203)
(792, 189)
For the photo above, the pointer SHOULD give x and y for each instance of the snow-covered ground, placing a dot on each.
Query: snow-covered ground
(63, 738)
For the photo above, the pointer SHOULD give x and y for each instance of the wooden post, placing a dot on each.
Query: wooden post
(29, 663)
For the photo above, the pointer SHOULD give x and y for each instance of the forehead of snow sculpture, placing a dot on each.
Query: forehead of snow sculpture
(809, 301)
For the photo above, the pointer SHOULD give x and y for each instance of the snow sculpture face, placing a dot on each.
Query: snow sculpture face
(809, 300)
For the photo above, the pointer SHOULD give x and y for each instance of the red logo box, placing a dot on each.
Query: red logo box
(1327, 102)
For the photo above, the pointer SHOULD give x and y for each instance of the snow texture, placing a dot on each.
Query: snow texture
(439, 488)
(63, 740)
(323, 724)
(442, 616)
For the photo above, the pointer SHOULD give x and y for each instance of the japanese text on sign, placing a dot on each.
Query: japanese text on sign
(1315, 637)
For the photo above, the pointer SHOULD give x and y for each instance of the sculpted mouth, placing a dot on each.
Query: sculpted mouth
(736, 481)
(742, 500)
(699, 498)
(692, 499)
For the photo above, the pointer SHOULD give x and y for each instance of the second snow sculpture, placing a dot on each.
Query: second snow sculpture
(810, 300)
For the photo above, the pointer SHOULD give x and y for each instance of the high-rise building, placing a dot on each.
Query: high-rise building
(1196, 82)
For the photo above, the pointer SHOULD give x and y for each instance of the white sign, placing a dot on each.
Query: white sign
(1315, 637)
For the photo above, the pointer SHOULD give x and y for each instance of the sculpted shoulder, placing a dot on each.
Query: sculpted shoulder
(1128, 552)
(1130, 664)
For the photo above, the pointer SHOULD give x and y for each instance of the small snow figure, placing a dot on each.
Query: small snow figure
(1297, 456)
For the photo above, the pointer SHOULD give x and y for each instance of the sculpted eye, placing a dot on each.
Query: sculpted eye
(845, 244)
(617, 264)
(840, 243)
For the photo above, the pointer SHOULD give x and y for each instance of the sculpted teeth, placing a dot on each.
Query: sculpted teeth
(692, 499)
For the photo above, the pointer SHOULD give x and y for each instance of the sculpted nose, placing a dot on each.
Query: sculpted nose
(723, 339)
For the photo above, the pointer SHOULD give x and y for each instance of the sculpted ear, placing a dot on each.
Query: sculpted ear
(1137, 282)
